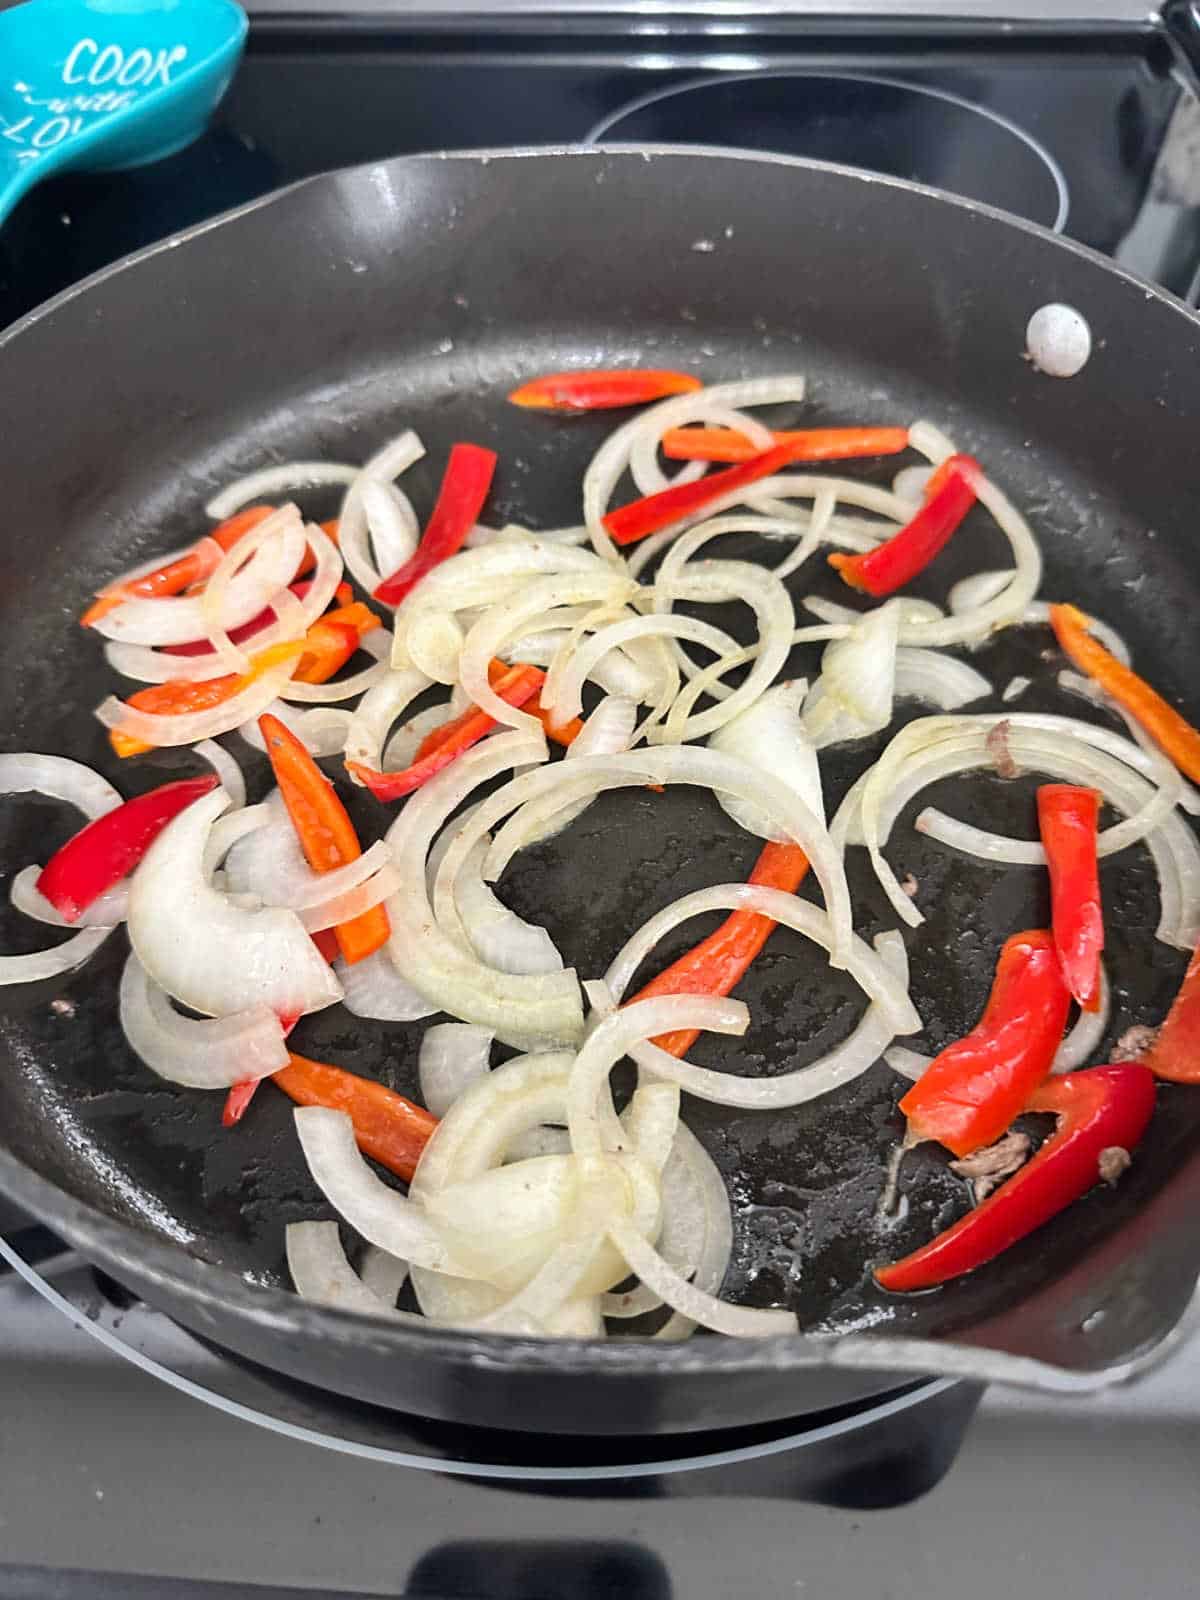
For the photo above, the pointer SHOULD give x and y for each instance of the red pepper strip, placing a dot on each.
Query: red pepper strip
(601, 391)
(519, 684)
(343, 595)
(1174, 734)
(172, 699)
(193, 566)
(102, 853)
(237, 1101)
(1068, 819)
(325, 940)
(323, 828)
(1102, 1109)
(389, 1128)
(719, 962)
(807, 444)
(898, 560)
(1175, 1054)
(465, 486)
(969, 1094)
(628, 524)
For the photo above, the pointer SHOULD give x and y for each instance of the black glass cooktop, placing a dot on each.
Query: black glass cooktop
(1089, 128)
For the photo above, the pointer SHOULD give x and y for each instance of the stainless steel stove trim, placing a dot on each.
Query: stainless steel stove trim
(1107, 12)
(598, 133)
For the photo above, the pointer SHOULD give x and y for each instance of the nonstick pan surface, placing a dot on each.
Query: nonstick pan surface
(323, 320)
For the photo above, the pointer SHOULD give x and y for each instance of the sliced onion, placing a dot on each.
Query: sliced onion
(60, 779)
(970, 593)
(104, 912)
(339, 689)
(201, 1055)
(526, 1010)
(188, 727)
(376, 712)
(1015, 688)
(387, 464)
(206, 952)
(392, 524)
(402, 747)
(940, 680)
(499, 937)
(322, 1274)
(284, 531)
(53, 963)
(373, 988)
(384, 1274)
(768, 735)
(225, 767)
(378, 1212)
(179, 619)
(742, 1322)
(283, 479)
(607, 732)
(322, 731)
(453, 1056)
(697, 1231)
(351, 903)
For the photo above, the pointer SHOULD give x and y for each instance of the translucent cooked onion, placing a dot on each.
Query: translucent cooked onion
(284, 531)
(350, 903)
(391, 522)
(453, 1056)
(322, 731)
(373, 988)
(940, 680)
(321, 1273)
(283, 479)
(379, 1213)
(389, 463)
(741, 1322)
(53, 963)
(769, 735)
(104, 912)
(225, 767)
(213, 1054)
(563, 693)
(497, 935)
(970, 593)
(377, 710)
(525, 1010)
(58, 778)
(383, 1274)
(189, 726)
(206, 952)
(377, 643)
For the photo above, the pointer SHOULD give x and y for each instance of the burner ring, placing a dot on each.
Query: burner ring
(892, 126)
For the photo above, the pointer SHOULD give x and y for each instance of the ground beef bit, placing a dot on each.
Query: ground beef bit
(1113, 1162)
(997, 747)
(988, 1168)
(1134, 1043)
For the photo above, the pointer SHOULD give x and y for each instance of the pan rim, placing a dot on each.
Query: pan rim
(127, 1251)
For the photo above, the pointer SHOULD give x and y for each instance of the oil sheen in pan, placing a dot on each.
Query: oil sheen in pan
(904, 130)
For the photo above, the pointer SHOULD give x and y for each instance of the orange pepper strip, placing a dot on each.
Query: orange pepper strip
(601, 391)
(388, 1127)
(1174, 734)
(717, 963)
(807, 444)
(172, 699)
(439, 748)
(323, 828)
(192, 567)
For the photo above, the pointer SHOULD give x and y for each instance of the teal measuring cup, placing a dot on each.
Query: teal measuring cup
(96, 85)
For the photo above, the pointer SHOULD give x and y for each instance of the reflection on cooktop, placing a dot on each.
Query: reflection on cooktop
(904, 130)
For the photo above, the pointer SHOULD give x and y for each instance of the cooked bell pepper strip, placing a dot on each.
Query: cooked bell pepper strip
(323, 828)
(1174, 734)
(628, 524)
(343, 596)
(969, 1094)
(601, 391)
(898, 560)
(443, 745)
(719, 962)
(172, 699)
(325, 940)
(237, 1101)
(465, 486)
(1102, 1113)
(102, 853)
(1175, 1054)
(327, 648)
(565, 733)
(806, 444)
(1068, 819)
(388, 1127)
(192, 567)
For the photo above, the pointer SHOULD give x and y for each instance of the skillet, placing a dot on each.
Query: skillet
(328, 316)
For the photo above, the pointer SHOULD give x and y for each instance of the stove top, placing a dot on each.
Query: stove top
(1082, 117)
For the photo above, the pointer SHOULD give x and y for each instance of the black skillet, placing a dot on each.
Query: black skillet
(417, 292)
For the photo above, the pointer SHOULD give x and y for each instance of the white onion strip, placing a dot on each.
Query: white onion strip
(289, 475)
(453, 1056)
(189, 726)
(210, 1054)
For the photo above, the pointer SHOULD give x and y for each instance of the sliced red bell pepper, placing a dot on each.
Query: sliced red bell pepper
(237, 1101)
(601, 391)
(1069, 819)
(388, 1127)
(806, 444)
(719, 962)
(639, 518)
(323, 828)
(1102, 1114)
(899, 559)
(173, 699)
(110, 847)
(969, 1094)
(439, 748)
(1175, 1054)
(465, 486)
(1174, 734)
(325, 940)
